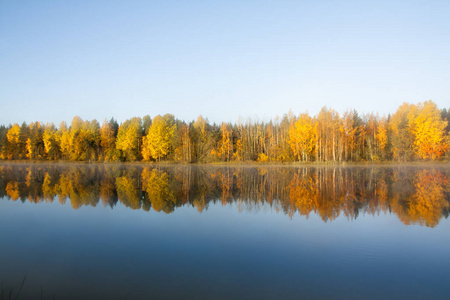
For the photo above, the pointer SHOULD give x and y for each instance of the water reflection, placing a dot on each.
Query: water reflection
(415, 195)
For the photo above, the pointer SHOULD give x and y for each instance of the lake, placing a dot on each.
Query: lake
(112, 231)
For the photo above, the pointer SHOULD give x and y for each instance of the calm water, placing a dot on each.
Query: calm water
(180, 232)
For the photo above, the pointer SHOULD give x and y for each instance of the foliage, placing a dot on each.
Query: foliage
(428, 129)
(413, 132)
(156, 144)
(302, 137)
(129, 139)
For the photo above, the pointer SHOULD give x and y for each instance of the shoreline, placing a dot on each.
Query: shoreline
(234, 163)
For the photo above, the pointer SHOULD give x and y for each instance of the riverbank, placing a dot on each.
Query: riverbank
(238, 163)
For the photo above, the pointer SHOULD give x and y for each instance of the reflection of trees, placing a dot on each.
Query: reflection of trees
(303, 193)
(81, 187)
(108, 192)
(128, 192)
(429, 200)
(12, 190)
(156, 184)
(416, 196)
(127, 182)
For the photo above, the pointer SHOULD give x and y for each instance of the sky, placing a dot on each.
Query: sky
(219, 59)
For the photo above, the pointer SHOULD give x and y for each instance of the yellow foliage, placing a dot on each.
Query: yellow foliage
(129, 138)
(237, 155)
(262, 157)
(64, 138)
(402, 135)
(382, 137)
(13, 134)
(225, 147)
(302, 137)
(429, 131)
(29, 148)
(157, 142)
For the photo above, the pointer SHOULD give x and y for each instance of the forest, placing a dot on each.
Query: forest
(414, 132)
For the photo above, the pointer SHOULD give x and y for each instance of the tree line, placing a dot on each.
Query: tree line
(413, 132)
(416, 196)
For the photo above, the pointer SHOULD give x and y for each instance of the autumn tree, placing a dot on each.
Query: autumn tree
(183, 150)
(129, 139)
(13, 138)
(271, 139)
(51, 141)
(224, 150)
(414, 131)
(146, 123)
(428, 130)
(84, 139)
(371, 125)
(156, 144)
(327, 132)
(349, 133)
(202, 139)
(402, 135)
(108, 134)
(302, 137)
(64, 140)
(23, 138)
(35, 144)
(382, 138)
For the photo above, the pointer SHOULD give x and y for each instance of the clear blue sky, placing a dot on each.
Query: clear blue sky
(221, 59)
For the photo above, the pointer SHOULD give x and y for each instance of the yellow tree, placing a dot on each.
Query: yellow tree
(200, 138)
(302, 137)
(13, 137)
(225, 146)
(76, 138)
(108, 133)
(157, 142)
(129, 139)
(428, 129)
(237, 155)
(401, 133)
(348, 130)
(327, 131)
(371, 126)
(64, 140)
(13, 134)
(34, 143)
(184, 149)
(84, 139)
(51, 141)
(271, 140)
(382, 137)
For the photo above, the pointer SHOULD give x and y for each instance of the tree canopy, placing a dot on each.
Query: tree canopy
(413, 132)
